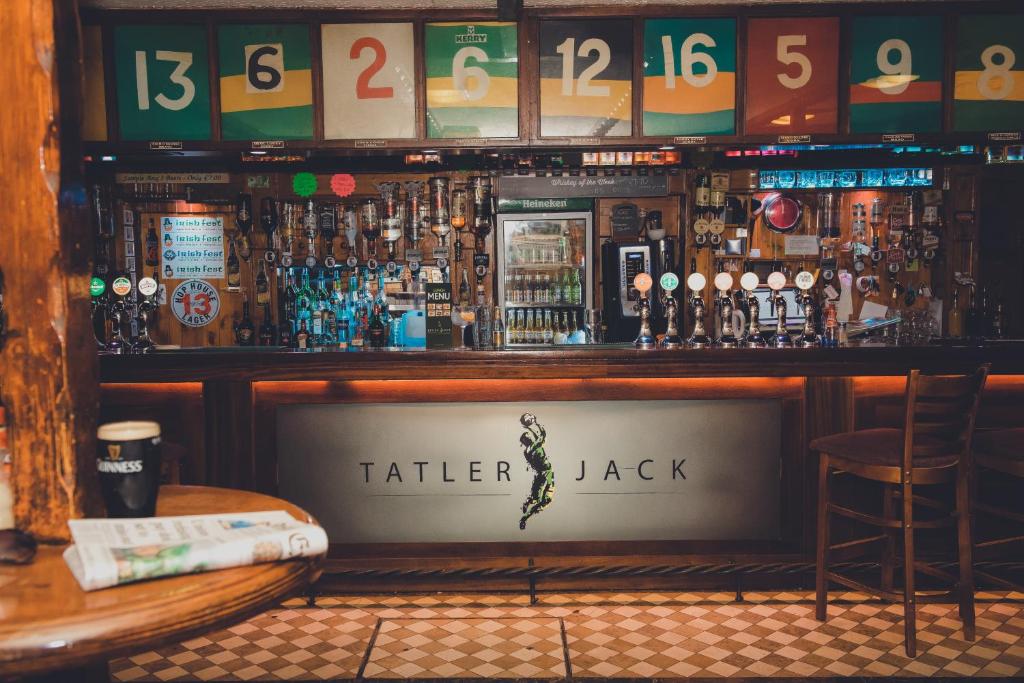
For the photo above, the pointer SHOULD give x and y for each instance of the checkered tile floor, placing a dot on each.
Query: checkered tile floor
(606, 635)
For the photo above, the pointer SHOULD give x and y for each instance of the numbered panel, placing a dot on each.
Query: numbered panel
(266, 83)
(689, 77)
(586, 78)
(94, 117)
(369, 81)
(792, 80)
(896, 75)
(989, 90)
(163, 84)
(472, 80)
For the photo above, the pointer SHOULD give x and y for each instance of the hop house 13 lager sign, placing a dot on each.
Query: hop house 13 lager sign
(195, 303)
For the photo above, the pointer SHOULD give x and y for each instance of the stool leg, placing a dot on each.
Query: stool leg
(965, 586)
(889, 547)
(909, 602)
(821, 581)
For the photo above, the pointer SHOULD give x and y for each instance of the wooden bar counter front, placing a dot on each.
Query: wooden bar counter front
(419, 464)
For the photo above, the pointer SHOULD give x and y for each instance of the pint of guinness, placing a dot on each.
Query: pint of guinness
(128, 462)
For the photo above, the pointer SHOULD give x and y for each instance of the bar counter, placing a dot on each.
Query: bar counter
(575, 362)
(414, 461)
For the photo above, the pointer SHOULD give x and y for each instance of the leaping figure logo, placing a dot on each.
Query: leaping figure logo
(542, 490)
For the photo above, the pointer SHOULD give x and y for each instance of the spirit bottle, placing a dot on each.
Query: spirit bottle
(245, 332)
(262, 285)
(378, 331)
(302, 336)
(152, 245)
(234, 273)
(498, 330)
(304, 300)
(548, 332)
(267, 333)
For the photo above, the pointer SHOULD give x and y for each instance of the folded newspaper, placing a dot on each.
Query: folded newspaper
(109, 552)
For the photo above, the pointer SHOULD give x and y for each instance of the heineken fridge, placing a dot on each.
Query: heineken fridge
(545, 275)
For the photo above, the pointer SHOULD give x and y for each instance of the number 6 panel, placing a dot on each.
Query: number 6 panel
(989, 89)
(369, 81)
(792, 76)
(163, 84)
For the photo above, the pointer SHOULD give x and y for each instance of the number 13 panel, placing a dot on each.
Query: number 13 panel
(369, 81)
(792, 76)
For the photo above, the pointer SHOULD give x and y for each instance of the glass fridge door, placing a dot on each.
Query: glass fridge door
(545, 284)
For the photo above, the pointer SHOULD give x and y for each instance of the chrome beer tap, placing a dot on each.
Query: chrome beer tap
(723, 283)
(699, 339)
(754, 338)
(809, 336)
(645, 339)
(781, 340)
(669, 281)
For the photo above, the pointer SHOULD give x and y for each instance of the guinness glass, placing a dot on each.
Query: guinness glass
(128, 462)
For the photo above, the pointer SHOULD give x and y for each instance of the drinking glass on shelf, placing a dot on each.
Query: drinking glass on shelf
(463, 315)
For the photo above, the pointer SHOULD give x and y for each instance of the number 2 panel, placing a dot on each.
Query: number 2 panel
(792, 79)
(369, 81)
(989, 90)
(163, 84)
(586, 78)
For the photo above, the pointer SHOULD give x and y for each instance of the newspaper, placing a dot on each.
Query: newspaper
(110, 552)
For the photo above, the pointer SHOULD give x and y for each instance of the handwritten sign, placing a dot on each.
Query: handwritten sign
(517, 187)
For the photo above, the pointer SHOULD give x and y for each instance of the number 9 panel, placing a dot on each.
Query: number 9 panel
(989, 90)
(792, 76)
(369, 81)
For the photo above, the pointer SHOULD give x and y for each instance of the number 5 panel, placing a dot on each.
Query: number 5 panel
(266, 84)
(792, 76)
(689, 77)
(989, 90)
(369, 81)
(163, 85)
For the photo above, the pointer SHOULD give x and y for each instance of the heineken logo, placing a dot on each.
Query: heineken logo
(471, 36)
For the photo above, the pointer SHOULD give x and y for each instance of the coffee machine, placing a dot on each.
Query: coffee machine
(655, 254)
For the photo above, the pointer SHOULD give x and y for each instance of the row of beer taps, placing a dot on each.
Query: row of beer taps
(749, 336)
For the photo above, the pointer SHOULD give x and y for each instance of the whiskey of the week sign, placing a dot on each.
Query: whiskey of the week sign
(535, 470)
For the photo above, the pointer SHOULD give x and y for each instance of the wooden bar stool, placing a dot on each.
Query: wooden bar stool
(1001, 451)
(933, 447)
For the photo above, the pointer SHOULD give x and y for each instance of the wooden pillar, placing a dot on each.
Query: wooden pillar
(228, 431)
(48, 361)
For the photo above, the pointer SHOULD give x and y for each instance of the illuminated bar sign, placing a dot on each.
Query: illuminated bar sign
(369, 81)
(989, 88)
(689, 77)
(528, 187)
(472, 80)
(535, 470)
(586, 78)
(266, 83)
(792, 82)
(163, 82)
(896, 75)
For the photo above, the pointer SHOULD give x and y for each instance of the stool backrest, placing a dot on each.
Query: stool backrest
(940, 415)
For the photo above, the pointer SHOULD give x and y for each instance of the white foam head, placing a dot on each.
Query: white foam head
(128, 431)
(723, 281)
(749, 281)
(696, 282)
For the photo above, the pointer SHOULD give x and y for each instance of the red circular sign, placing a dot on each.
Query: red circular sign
(781, 213)
(343, 184)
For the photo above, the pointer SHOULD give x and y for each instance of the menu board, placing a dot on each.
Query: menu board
(439, 315)
(896, 75)
(472, 80)
(586, 78)
(94, 115)
(369, 81)
(163, 82)
(266, 83)
(988, 94)
(792, 76)
(689, 77)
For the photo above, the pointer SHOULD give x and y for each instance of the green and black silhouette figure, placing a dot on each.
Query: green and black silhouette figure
(542, 490)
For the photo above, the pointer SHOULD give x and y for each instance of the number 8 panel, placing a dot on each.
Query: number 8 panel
(369, 81)
(989, 89)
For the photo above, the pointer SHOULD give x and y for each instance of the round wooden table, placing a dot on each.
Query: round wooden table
(48, 623)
